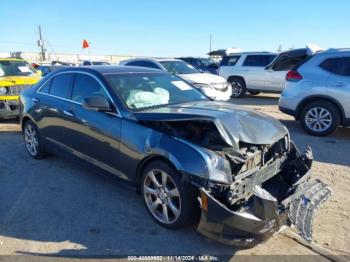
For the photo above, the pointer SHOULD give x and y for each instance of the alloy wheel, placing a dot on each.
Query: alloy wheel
(318, 119)
(31, 140)
(162, 197)
(237, 89)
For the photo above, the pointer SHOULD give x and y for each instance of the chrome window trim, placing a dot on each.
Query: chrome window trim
(74, 102)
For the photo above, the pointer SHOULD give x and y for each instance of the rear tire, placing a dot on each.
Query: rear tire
(170, 201)
(238, 87)
(33, 141)
(320, 118)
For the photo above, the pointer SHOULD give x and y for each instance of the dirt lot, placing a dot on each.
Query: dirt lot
(55, 207)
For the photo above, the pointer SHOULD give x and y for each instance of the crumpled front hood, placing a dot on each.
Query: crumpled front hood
(234, 123)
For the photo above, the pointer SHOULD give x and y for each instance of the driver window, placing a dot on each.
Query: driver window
(86, 86)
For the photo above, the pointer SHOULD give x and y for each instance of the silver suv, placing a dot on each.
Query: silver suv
(317, 92)
(245, 71)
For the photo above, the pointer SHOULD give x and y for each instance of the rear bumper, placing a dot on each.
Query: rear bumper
(9, 108)
(262, 215)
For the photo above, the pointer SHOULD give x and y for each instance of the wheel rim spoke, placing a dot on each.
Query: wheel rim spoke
(173, 208)
(173, 192)
(151, 191)
(164, 179)
(154, 179)
(165, 213)
(155, 204)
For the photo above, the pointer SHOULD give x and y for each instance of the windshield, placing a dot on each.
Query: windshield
(141, 91)
(15, 68)
(178, 67)
(207, 62)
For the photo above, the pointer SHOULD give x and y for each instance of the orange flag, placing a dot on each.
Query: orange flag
(86, 44)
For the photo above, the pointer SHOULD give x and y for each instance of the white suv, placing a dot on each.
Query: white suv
(245, 71)
(317, 92)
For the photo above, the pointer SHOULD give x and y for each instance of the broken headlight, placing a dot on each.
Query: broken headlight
(219, 168)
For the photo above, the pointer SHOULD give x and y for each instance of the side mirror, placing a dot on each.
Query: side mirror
(97, 103)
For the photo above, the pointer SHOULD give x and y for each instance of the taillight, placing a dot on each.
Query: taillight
(294, 76)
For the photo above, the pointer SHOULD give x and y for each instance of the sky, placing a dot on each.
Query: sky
(172, 28)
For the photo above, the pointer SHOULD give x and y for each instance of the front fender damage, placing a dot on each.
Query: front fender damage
(289, 198)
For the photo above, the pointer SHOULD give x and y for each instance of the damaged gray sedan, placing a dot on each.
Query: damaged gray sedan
(235, 169)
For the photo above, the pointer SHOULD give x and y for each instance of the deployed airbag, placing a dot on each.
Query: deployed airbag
(141, 99)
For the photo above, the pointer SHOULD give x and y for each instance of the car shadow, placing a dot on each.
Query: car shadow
(78, 213)
(329, 149)
(256, 100)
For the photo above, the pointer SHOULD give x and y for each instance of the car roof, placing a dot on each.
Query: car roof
(193, 57)
(153, 59)
(337, 50)
(251, 53)
(168, 59)
(104, 70)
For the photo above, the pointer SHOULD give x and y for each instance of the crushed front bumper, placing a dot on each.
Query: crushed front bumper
(9, 108)
(262, 215)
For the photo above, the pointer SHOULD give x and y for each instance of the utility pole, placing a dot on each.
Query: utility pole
(210, 38)
(41, 44)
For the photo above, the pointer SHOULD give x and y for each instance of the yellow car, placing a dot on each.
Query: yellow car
(15, 75)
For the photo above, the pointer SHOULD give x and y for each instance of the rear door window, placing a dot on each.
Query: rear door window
(286, 63)
(61, 85)
(258, 60)
(337, 65)
(143, 64)
(86, 86)
(230, 60)
(345, 66)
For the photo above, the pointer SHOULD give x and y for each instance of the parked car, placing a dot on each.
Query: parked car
(94, 63)
(15, 76)
(212, 86)
(183, 152)
(246, 72)
(202, 64)
(318, 92)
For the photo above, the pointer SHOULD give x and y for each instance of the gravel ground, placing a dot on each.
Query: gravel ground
(54, 207)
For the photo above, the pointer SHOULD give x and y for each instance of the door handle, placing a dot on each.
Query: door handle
(35, 100)
(68, 113)
(337, 84)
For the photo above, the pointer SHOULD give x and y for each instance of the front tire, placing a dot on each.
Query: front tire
(320, 118)
(170, 201)
(238, 87)
(33, 141)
